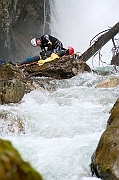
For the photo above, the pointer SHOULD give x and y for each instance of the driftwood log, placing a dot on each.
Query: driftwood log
(100, 42)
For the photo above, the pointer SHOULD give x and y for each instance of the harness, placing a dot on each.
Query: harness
(58, 45)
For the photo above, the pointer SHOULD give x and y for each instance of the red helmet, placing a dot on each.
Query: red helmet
(71, 50)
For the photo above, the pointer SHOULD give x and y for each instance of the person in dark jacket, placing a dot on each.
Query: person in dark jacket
(49, 44)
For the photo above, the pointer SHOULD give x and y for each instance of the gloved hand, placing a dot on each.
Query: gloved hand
(51, 58)
(43, 55)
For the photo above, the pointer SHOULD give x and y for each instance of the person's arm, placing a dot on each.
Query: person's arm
(50, 46)
(43, 48)
(48, 42)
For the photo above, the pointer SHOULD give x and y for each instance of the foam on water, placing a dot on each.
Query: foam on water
(63, 126)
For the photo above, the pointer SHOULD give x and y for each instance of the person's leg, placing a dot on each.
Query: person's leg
(29, 60)
(59, 46)
(63, 50)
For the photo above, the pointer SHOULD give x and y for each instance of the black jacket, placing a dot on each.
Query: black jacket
(50, 43)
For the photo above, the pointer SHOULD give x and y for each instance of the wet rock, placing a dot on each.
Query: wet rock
(114, 112)
(63, 68)
(9, 71)
(16, 81)
(12, 166)
(105, 160)
(39, 83)
(10, 123)
(12, 91)
(108, 83)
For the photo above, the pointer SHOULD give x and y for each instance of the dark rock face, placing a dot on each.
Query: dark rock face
(105, 161)
(20, 20)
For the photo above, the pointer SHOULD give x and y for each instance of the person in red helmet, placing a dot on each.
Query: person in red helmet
(71, 50)
(50, 44)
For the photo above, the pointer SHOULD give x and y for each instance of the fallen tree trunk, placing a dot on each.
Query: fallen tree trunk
(101, 41)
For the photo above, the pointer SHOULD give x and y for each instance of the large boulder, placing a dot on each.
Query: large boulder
(12, 91)
(63, 68)
(105, 160)
(9, 71)
(15, 82)
(114, 112)
(12, 166)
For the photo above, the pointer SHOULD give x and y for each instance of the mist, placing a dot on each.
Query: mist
(76, 22)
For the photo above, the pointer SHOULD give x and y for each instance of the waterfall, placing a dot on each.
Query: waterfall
(76, 22)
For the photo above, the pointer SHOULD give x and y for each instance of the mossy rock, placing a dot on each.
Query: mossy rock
(114, 112)
(9, 71)
(12, 166)
(12, 91)
(105, 160)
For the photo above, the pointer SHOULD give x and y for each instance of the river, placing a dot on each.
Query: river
(62, 127)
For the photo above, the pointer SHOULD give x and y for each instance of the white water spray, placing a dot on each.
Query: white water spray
(76, 22)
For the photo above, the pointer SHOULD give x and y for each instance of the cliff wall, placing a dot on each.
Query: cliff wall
(20, 20)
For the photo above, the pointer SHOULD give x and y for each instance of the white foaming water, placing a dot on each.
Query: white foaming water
(62, 127)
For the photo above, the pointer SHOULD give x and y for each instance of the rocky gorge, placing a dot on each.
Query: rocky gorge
(19, 21)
